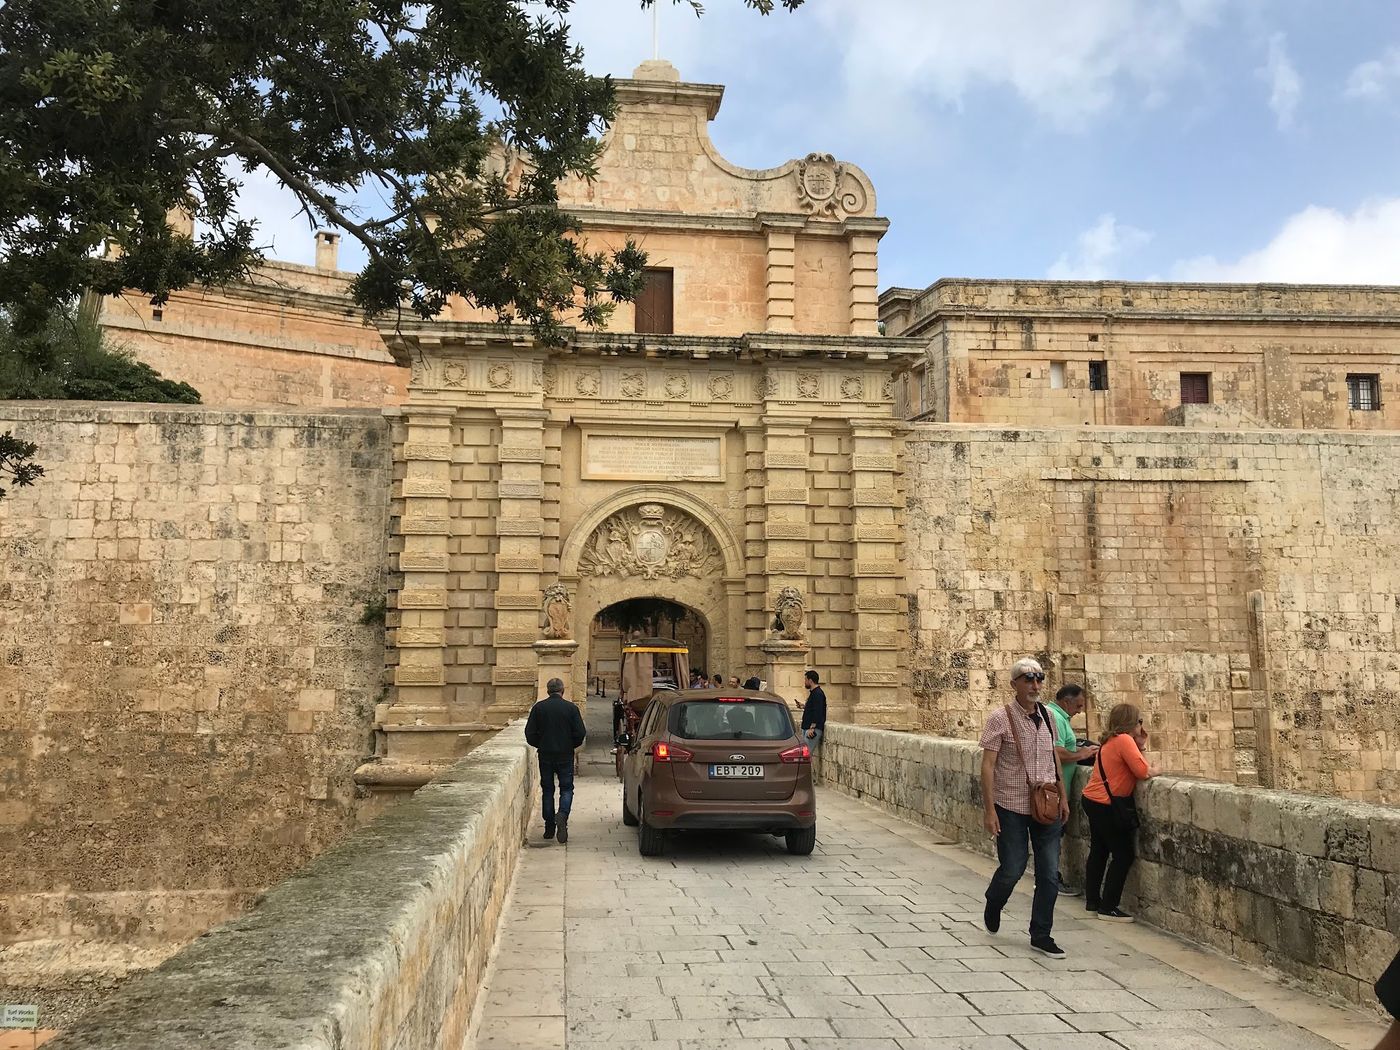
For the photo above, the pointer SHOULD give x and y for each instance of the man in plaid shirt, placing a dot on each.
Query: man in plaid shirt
(1008, 771)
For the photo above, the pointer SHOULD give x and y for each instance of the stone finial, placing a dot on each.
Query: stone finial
(657, 69)
(557, 611)
(789, 613)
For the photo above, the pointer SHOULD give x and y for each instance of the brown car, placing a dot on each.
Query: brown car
(708, 759)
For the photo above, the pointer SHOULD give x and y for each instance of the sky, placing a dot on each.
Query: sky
(1183, 140)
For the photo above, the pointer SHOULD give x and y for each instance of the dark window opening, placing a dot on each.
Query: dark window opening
(1364, 393)
(1093, 339)
(1098, 375)
(1195, 388)
(655, 306)
(157, 314)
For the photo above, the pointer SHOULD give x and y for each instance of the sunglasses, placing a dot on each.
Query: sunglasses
(1033, 676)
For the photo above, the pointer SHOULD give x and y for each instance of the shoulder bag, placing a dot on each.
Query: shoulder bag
(1123, 809)
(1046, 796)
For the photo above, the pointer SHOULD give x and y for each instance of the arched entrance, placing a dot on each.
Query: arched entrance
(647, 617)
(649, 543)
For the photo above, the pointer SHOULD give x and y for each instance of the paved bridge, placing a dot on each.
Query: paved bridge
(873, 943)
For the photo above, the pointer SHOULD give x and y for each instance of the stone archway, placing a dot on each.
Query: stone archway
(607, 633)
(652, 542)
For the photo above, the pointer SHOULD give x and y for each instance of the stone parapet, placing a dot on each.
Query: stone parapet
(1298, 883)
(382, 942)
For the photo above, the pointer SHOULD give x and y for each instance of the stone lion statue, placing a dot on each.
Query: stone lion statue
(557, 611)
(789, 612)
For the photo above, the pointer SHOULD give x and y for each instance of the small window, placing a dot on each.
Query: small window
(655, 306)
(1094, 338)
(1057, 375)
(1364, 393)
(1195, 388)
(1098, 375)
(157, 314)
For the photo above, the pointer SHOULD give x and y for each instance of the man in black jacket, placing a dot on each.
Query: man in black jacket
(814, 711)
(555, 729)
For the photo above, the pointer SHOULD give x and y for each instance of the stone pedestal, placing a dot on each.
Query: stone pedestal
(786, 664)
(556, 660)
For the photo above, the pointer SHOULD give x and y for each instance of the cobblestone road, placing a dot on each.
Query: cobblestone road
(874, 942)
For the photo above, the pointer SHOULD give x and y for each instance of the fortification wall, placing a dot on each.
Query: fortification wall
(1303, 885)
(381, 943)
(185, 684)
(1241, 588)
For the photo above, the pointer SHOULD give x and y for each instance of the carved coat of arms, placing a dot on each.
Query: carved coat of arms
(651, 541)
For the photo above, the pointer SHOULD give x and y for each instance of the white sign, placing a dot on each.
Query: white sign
(15, 1015)
(642, 455)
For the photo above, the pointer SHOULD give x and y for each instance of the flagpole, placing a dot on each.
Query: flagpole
(656, 30)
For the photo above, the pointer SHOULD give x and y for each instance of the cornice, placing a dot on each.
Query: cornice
(615, 219)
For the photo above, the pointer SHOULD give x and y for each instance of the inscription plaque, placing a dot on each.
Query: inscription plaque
(662, 457)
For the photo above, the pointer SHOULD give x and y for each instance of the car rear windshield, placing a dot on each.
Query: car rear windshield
(730, 720)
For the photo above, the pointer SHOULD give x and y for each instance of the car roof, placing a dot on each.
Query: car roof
(680, 696)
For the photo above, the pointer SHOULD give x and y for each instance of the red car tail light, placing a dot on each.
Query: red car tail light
(801, 753)
(664, 752)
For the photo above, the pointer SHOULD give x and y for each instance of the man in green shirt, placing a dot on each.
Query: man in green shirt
(1069, 701)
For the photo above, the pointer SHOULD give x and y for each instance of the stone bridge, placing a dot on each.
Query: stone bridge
(447, 923)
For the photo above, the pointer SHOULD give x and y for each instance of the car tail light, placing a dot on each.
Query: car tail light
(801, 753)
(733, 699)
(664, 752)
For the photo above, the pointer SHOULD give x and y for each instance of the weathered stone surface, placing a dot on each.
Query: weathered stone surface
(185, 684)
(381, 942)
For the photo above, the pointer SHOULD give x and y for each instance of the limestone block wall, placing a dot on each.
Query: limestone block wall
(1305, 885)
(185, 686)
(383, 942)
(1280, 354)
(1239, 587)
(289, 337)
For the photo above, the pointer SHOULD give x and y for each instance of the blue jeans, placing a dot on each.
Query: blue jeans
(561, 766)
(1013, 850)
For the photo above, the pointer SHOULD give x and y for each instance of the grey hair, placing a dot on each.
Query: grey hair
(1025, 665)
(555, 685)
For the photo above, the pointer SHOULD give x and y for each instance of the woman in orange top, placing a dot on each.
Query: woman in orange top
(1113, 829)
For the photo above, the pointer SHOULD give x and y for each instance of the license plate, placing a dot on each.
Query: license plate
(736, 772)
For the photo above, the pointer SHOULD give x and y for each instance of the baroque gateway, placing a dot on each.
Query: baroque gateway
(1129, 481)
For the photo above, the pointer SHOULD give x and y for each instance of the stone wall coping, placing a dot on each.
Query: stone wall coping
(201, 415)
(1145, 300)
(1142, 436)
(328, 957)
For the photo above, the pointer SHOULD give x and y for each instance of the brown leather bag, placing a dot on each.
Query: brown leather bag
(1046, 796)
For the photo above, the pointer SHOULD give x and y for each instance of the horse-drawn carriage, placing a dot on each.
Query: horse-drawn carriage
(649, 665)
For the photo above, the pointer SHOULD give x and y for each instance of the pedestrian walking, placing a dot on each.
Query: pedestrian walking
(555, 730)
(1388, 992)
(1112, 812)
(814, 711)
(1069, 702)
(1024, 803)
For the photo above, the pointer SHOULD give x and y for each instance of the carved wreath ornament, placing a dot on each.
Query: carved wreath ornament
(650, 541)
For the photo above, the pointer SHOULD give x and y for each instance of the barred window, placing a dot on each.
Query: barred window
(1098, 375)
(1364, 392)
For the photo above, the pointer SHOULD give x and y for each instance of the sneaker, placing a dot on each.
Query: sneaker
(563, 829)
(1047, 946)
(549, 831)
(1067, 890)
(1115, 915)
(991, 918)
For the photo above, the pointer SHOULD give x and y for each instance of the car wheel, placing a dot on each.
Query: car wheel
(650, 841)
(801, 841)
(629, 819)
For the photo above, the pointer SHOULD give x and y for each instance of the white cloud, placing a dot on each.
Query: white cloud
(1375, 79)
(1285, 85)
(1096, 250)
(1317, 246)
(1068, 61)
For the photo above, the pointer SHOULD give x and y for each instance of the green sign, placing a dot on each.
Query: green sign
(15, 1015)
